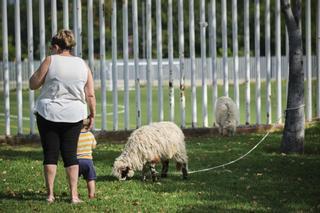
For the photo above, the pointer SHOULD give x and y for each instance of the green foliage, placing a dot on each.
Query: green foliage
(264, 181)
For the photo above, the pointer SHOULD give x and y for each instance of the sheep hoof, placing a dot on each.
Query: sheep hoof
(154, 178)
(164, 175)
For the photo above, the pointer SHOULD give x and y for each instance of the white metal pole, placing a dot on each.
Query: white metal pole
(247, 58)
(114, 65)
(318, 59)
(257, 59)
(203, 25)
(308, 60)
(136, 61)
(103, 65)
(53, 17)
(79, 29)
(18, 66)
(225, 47)
(213, 51)
(170, 56)
(90, 35)
(66, 14)
(268, 61)
(42, 32)
(181, 57)
(5, 53)
(278, 60)
(235, 53)
(75, 26)
(193, 64)
(143, 5)
(125, 63)
(30, 64)
(149, 60)
(159, 54)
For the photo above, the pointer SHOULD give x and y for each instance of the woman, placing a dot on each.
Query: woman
(67, 89)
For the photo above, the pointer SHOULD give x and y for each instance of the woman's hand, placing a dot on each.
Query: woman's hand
(91, 121)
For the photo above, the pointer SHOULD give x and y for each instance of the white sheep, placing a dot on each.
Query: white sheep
(149, 145)
(227, 115)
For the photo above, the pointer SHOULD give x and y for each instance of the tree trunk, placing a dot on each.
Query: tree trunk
(293, 134)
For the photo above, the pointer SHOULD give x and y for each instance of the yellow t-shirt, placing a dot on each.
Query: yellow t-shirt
(86, 143)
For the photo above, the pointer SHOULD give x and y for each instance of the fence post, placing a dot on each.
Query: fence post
(30, 64)
(235, 53)
(225, 48)
(203, 25)
(181, 57)
(149, 61)
(75, 25)
(278, 60)
(6, 68)
(257, 60)
(53, 17)
(114, 66)
(79, 29)
(213, 51)
(136, 61)
(193, 65)
(268, 61)
(308, 60)
(247, 58)
(159, 54)
(125, 64)
(66, 14)
(170, 56)
(42, 32)
(103, 66)
(18, 65)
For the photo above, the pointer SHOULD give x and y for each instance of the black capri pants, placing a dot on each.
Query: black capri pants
(59, 137)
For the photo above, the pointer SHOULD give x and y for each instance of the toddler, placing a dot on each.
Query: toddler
(86, 143)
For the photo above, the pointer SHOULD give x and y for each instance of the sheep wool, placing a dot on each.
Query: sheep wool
(150, 144)
(227, 115)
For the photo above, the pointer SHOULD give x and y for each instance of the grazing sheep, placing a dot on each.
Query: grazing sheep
(149, 145)
(227, 116)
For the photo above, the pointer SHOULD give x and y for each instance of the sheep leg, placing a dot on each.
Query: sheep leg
(153, 171)
(144, 172)
(165, 167)
(184, 171)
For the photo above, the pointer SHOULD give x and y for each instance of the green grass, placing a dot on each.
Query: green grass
(26, 110)
(264, 181)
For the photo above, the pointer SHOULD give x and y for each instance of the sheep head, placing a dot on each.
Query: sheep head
(121, 170)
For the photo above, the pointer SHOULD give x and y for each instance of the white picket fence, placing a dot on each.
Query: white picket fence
(186, 71)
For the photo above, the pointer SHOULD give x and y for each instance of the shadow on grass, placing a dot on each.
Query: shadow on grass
(22, 196)
(12, 154)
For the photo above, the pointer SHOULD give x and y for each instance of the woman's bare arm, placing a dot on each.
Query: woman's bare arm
(90, 98)
(37, 79)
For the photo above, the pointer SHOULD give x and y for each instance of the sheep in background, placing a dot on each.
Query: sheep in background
(149, 145)
(227, 116)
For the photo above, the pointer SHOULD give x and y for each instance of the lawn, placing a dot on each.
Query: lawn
(264, 181)
(26, 110)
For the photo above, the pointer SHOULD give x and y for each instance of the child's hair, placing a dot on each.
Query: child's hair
(86, 123)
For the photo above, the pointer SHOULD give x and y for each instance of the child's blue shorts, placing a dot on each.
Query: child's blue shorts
(86, 169)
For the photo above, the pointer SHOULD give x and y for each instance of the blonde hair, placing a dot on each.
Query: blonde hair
(64, 39)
